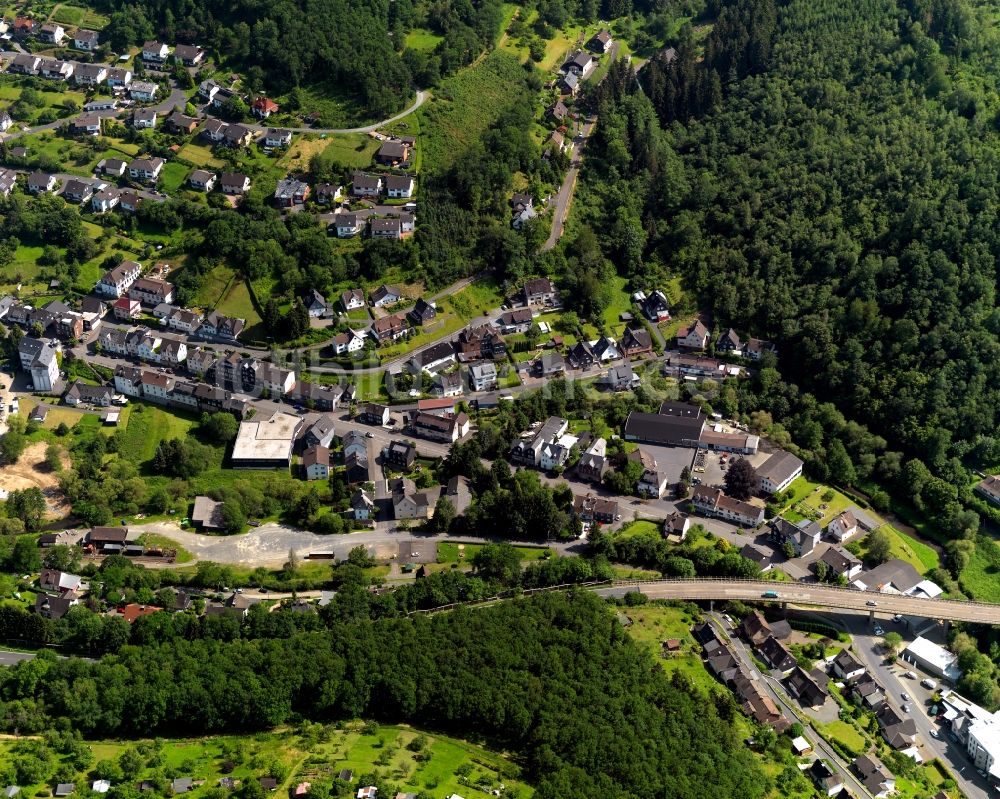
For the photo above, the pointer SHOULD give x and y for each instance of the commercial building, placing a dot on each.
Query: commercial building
(266, 443)
(777, 472)
(932, 658)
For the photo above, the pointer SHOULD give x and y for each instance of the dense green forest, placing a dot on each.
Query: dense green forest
(836, 190)
(555, 678)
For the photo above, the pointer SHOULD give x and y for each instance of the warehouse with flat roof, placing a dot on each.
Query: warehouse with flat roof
(266, 443)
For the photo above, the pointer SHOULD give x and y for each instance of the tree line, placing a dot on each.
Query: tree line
(554, 678)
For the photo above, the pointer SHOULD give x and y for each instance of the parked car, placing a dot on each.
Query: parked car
(872, 603)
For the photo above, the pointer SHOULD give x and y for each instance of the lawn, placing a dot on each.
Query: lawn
(847, 734)
(172, 177)
(68, 15)
(979, 578)
(461, 553)
(211, 287)
(640, 528)
(445, 324)
(157, 540)
(902, 546)
(200, 155)
(475, 299)
(422, 40)
(146, 427)
(349, 149)
(237, 303)
(464, 106)
(315, 751)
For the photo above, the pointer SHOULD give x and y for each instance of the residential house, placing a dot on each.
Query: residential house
(557, 111)
(840, 562)
(828, 781)
(483, 376)
(144, 118)
(593, 463)
(539, 291)
(190, 55)
(549, 364)
(714, 502)
(348, 225)
(365, 185)
(263, 107)
(636, 342)
(528, 451)
(316, 463)
(362, 505)
(151, 291)
(87, 124)
(237, 136)
(143, 91)
(778, 472)
(392, 152)
(214, 130)
(216, 325)
(388, 228)
(25, 64)
(877, 779)
(755, 629)
(155, 52)
(291, 192)
(277, 137)
(729, 342)
(398, 187)
(129, 201)
(374, 413)
(652, 484)
(899, 732)
(181, 123)
(846, 666)
(101, 104)
(389, 328)
(208, 89)
(801, 537)
(118, 77)
(809, 687)
(600, 42)
(557, 142)
(592, 509)
(776, 655)
(118, 280)
(357, 469)
(867, 692)
(55, 607)
(112, 167)
(328, 193)
(448, 384)
(619, 378)
(146, 169)
(84, 39)
(676, 526)
(756, 348)
(52, 32)
(518, 321)
(125, 309)
(693, 337)
(234, 183)
(448, 428)
(80, 393)
(128, 380)
(989, 489)
(480, 343)
(408, 503)
(386, 295)
(202, 180)
(422, 312)
(400, 455)
(316, 304)
(40, 182)
(321, 433)
(57, 70)
(349, 342)
(90, 74)
(581, 65)
(354, 443)
(758, 556)
(78, 192)
(105, 200)
(581, 355)
(352, 299)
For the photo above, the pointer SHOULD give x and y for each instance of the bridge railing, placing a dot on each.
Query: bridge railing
(772, 585)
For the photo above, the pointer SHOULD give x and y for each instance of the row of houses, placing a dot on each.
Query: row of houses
(348, 224)
(83, 74)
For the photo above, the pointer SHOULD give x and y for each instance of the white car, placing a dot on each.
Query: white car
(879, 631)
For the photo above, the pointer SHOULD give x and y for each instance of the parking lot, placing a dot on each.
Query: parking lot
(670, 460)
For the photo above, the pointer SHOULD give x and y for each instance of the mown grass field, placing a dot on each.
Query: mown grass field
(146, 427)
(201, 155)
(382, 754)
(422, 40)
(462, 553)
(212, 287)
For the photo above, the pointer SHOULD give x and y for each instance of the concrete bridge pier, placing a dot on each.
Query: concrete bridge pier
(871, 618)
(784, 608)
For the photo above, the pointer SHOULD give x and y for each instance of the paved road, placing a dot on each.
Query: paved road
(560, 208)
(419, 101)
(13, 658)
(813, 594)
(777, 693)
(867, 648)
